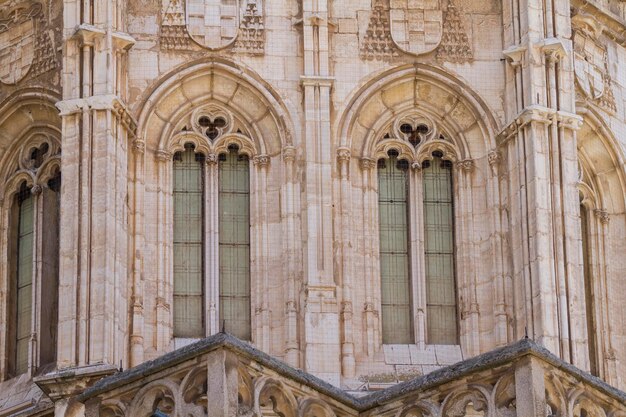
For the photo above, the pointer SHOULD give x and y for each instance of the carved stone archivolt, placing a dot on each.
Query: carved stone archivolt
(239, 26)
(26, 48)
(416, 30)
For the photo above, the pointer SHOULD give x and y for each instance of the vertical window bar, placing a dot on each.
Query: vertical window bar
(588, 280)
(23, 306)
(234, 243)
(188, 193)
(397, 326)
(441, 306)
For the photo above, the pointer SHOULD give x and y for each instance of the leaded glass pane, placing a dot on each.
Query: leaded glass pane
(441, 309)
(24, 282)
(188, 245)
(234, 244)
(394, 252)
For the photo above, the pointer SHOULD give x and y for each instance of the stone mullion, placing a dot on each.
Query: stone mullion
(290, 239)
(607, 354)
(37, 277)
(347, 347)
(417, 258)
(137, 254)
(164, 252)
(262, 244)
(501, 329)
(211, 246)
(369, 211)
(5, 236)
(465, 241)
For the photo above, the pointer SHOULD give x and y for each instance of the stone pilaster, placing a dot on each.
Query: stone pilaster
(539, 145)
(321, 309)
(97, 132)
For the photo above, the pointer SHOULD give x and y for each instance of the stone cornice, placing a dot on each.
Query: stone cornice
(69, 382)
(612, 26)
(88, 34)
(317, 80)
(543, 115)
(100, 102)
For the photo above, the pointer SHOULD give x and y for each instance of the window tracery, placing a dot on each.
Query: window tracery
(416, 231)
(31, 208)
(218, 148)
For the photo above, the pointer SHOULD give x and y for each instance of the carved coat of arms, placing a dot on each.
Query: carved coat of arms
(589, 66)
(17, 41)
(416, 25)
(212, 24)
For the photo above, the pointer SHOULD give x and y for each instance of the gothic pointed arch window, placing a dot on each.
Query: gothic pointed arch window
(32, 212)
(211, 229)
(416, 231)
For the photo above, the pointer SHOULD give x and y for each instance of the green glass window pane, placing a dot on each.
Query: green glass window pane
(24, 283)
(441, 306)
(394, 253)
(234, 244)
(188, 247)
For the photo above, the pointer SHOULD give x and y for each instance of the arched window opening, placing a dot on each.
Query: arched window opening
(393, 193)
(21, 265)
(51, 199)
(589, 297)
(234, 243)
(188, 244)
(441, 306)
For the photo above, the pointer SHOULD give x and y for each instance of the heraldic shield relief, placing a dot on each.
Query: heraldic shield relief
(416, 25)
(212, 24)
(17, 38)
(589, 65)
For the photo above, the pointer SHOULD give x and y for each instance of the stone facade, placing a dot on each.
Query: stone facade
(526, 99)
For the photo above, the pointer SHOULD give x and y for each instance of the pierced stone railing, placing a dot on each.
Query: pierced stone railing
(222, 376)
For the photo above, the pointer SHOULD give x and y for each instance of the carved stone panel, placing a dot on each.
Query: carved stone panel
(17, 41)
(212, 24)
(591, 62)
(416, 25)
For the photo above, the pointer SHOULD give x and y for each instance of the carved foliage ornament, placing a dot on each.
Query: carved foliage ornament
(24, 44)
(213, 25)
(416, 28)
